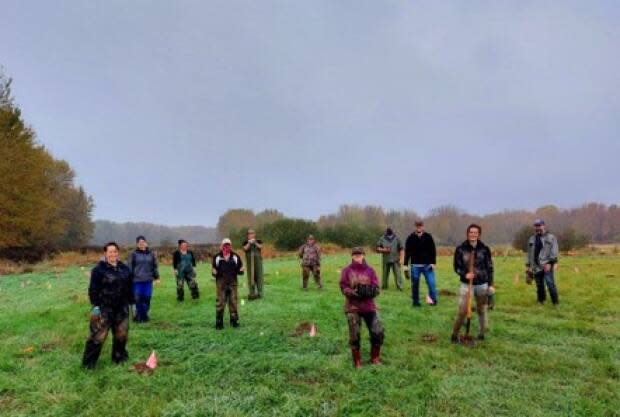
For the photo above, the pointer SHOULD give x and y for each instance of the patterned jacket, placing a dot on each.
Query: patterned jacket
(310, 255)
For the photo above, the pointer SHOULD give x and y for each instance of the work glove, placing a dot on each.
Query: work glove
(95, 314)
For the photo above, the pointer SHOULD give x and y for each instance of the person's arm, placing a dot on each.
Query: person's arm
(318, 255)
(301, 251)
(94, 288)
(240, 267)
(345, 288)
(379, 248)
(458, 263)
(130, 297)
(175, 260)
(528, 256)
(433, 250)
(259, 244)
(408, 251)
(214, 266)
(246, 245)
(555, 251)
(490, 269)
(374, 281)
(193, 258)
(130, 263)
(155, 266)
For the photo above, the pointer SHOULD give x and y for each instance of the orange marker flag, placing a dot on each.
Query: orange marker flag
(151, 362)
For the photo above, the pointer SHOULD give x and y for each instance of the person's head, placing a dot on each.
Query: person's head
(419, 226)
(110, 251)
(358, 254)
(389, 231)
(226, 245)
(311, 240)
(473, 232)
(183, 245)
(540, 227)
(251, 234)
(141, 242)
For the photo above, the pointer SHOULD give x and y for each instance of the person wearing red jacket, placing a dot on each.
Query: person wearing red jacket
(359, 285)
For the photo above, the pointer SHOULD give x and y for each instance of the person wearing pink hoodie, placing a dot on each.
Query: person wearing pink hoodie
(359, 285)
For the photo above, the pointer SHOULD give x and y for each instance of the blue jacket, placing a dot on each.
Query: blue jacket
(143, 265)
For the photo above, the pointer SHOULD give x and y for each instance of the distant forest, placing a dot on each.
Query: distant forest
(158, 235)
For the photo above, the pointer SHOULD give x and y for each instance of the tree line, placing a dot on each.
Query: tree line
(363, 225)
(157, 235)
(41, 207)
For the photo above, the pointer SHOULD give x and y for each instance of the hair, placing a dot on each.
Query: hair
(474, 226)
(181, 241)
(107, 245)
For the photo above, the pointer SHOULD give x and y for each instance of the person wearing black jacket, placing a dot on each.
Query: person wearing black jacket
(481, 277)
(110, 292)
(421, 258)
(184, 262)
(226, 266)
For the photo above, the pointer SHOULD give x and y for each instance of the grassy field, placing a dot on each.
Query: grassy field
(537, 361)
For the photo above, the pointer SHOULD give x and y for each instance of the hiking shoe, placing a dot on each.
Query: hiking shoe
(480, 337)
(454, 339)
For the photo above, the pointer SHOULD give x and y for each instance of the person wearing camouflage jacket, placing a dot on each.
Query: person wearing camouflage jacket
(542, 256)
(310, 255)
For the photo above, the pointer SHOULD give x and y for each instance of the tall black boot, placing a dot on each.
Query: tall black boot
(119, 353)
(219, 321)
(180, 294)
(91, 354)
(195, 292)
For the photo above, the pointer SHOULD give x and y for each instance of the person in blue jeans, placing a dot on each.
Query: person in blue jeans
(542, 258)
(143, 264)
(421, 255)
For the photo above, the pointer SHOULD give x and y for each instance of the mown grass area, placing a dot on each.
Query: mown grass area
(537, 361)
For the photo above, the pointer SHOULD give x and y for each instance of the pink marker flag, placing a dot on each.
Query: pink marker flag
(429, 300)
(151, 362)
(312, 330)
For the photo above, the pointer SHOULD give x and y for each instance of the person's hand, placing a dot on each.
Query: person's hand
(157, 281)
(214, 272)
(528, 270)
(405, 268)
(433, 266)
(176, 272)
(491, 290)
(350, 292)
(470, 276)
(547, 267)
(95, 314)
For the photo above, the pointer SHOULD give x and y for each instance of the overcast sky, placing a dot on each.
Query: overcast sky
(174, 111)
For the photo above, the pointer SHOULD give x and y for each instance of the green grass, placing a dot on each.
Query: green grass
(537, 361)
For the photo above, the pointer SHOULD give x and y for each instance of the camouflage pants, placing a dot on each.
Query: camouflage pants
(480, 293)
(187, 276)
(226, 294)
(116, 320)
(375, 328)
(316, 272)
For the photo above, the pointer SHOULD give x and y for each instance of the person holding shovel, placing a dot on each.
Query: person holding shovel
(254, 261)
(225, 268)
(111, 293)
(542, 256)
(473, 264)
(184, 262)
(359, 285)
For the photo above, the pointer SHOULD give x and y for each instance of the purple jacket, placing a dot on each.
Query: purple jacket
(349, 278)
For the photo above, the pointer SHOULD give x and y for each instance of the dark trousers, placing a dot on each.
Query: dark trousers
(375, 328)
(187, 276)
(543, 278)
(116, 320)
(315, 270)
(226, 295)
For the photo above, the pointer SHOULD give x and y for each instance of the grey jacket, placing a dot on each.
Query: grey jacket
(548, 253)
(143, 264)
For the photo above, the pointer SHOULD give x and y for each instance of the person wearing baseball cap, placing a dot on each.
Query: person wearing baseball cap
(542, 256)
(226, 266)
(359, 285)
(310, 255)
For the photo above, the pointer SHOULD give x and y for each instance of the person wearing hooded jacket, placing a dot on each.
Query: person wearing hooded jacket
(392, 251)
(359, 285)
(143, 265)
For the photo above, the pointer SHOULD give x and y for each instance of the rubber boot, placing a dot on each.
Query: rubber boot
(219, 321)
(357, 358)
(375, 353)
(91, 354)
(195, 293)
(119, 353)
(180, 294)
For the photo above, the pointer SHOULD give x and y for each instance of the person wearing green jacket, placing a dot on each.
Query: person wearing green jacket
(254, 265)
(393, 253)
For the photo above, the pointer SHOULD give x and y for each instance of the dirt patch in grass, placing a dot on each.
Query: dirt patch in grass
(302, 328)
(447, 293)
(429, 338)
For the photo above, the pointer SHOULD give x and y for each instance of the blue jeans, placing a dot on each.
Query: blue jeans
(429, 276)
(546, 278)
(142, 292)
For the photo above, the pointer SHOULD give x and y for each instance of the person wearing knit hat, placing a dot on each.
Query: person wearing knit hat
(184, 262)
(143, 264)
(254, 262)
(226, 266)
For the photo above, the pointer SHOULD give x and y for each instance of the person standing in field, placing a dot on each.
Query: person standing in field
(310, 255)
(542, 256)
(225, 268)
(184, 262)
(481, 277)
(392, 253)
(143, 265)
(254, 262)
(421, 252)
(359, 285)
(111, 293)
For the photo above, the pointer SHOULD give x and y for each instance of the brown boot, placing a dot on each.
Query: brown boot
(357, 358)
(375, 352)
